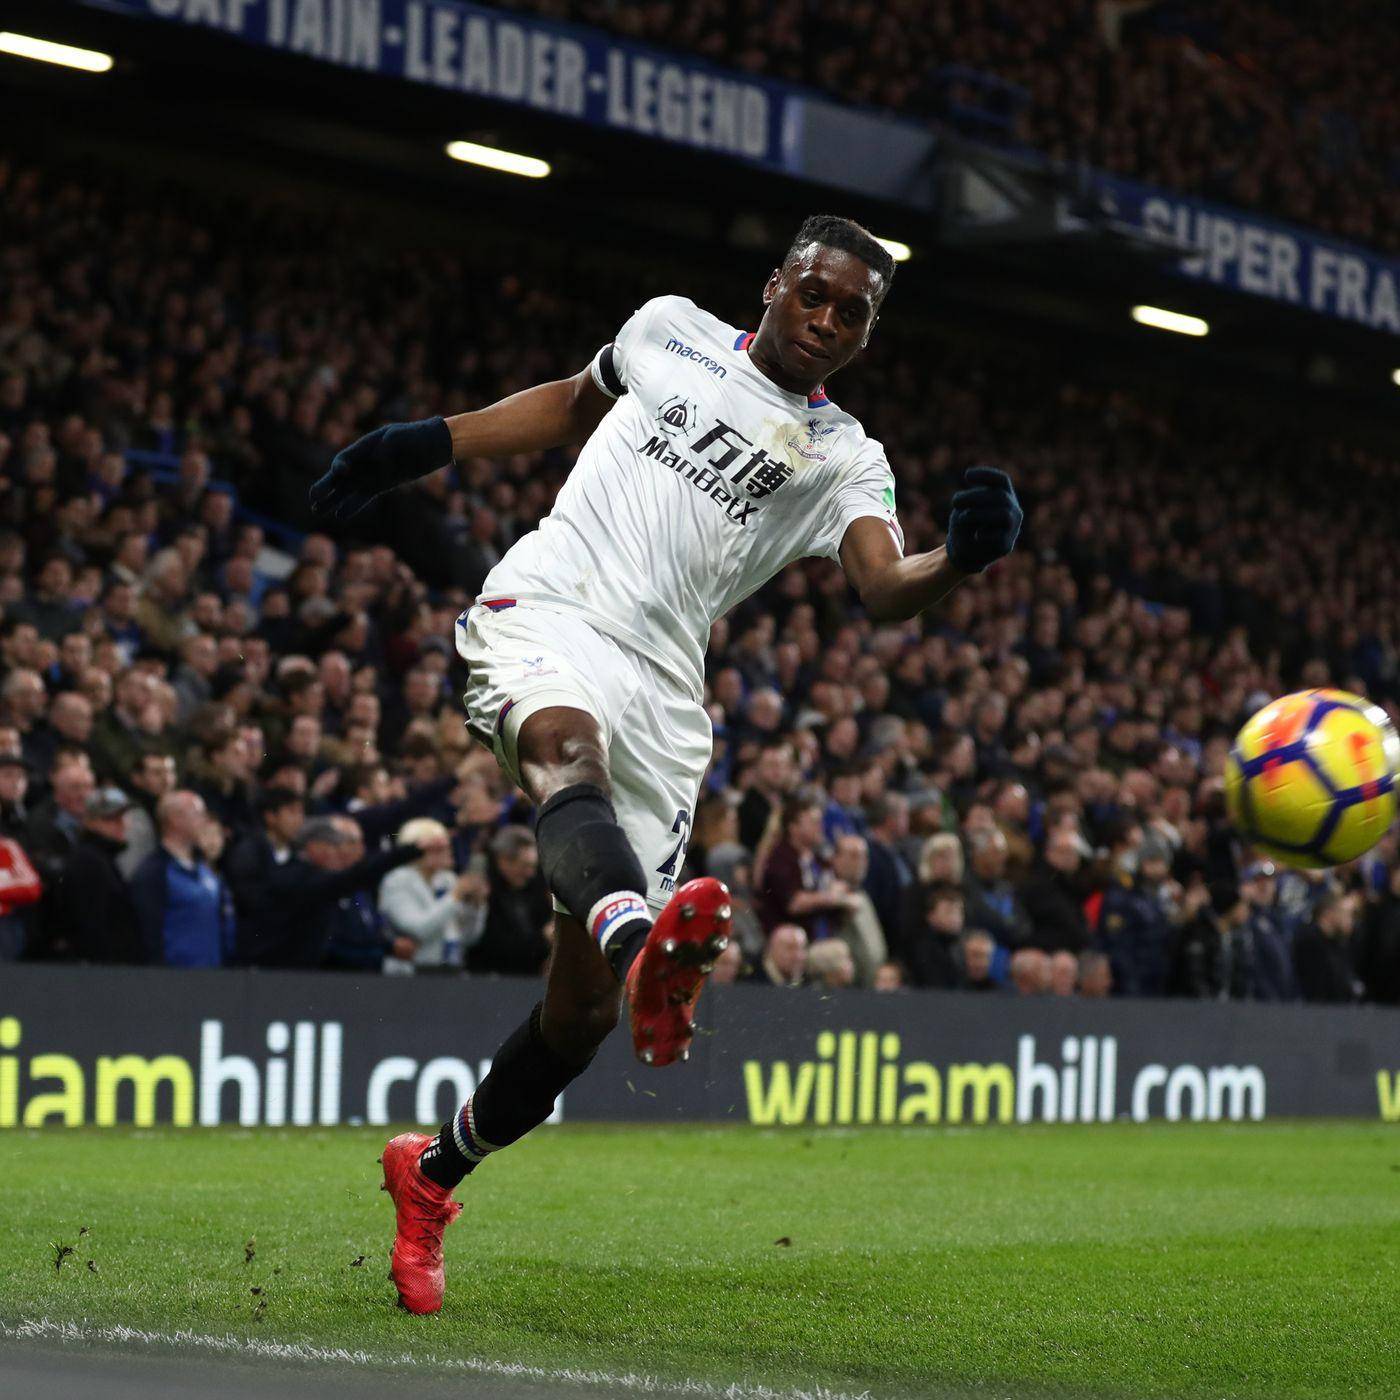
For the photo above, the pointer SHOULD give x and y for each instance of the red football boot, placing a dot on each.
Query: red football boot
(665, 980)
(424, 1211)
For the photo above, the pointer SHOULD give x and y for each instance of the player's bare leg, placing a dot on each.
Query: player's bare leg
(582, 998)
(590, 866)
(564, 768)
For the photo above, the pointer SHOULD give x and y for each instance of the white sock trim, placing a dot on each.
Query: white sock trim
(613, 912)
(471, 1145)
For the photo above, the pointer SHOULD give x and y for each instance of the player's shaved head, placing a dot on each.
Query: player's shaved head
(822, 304)
(832, 231)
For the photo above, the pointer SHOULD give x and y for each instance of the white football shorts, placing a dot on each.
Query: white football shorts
(522, 658)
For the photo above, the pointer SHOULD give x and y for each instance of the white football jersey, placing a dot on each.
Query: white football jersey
(701, 483)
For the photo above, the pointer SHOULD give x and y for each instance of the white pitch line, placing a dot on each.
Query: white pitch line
(73, 1333)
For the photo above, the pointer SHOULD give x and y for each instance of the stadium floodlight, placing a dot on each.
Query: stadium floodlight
(1163, 320)
(493, 159)
(900, 252)
(46, 51)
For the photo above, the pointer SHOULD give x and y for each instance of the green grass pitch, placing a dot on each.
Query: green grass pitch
(1165, 1260)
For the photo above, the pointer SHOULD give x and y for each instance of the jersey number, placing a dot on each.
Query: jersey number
(681, 828)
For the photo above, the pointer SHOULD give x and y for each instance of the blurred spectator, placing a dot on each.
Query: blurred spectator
(93, 916)
(842, 816)
(193, 679)
(1011, 805)
(932, 955)
(1297, 894)
(746, 929)
(729, 966)
(153, 776)
(226, 783)
(830, 965)
(440, 912)
(360, 940)
(55, 825)
(1053, 894)
(857, 925)
(772, 780)
(715, 847)
(784, 961)
(161, 613)
(1095, 974)
(1265, 973)
(122, 735)
(48, 609)
(24, 700)
(381, 820)
(889, 977)
(1322, 951)
(68, 725)
(20, 888)
(1380, 955)
(940, 863)
(296, 924)
(794, 886)
(889, 877)
(184, 908)
(1063, 976)
(257, 854)
(1208, 943)
(978, 951)
(519, 921)
(14, 789)
(1135, 925)
(991, 899)
(1030, 972)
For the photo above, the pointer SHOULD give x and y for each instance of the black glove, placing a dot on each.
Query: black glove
(379, 461)
(984, 520)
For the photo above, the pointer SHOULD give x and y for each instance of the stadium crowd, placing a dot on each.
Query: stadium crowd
(1292, 110)
(225, 743)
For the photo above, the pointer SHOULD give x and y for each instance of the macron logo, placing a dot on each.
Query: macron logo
(686, 352)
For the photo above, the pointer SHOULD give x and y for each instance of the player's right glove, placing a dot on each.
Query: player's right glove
(984, 520)
(379, 461)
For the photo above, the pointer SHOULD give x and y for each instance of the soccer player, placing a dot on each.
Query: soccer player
(711, 458)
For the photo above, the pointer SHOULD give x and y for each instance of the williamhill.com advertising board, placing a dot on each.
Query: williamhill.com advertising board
(94, 1046)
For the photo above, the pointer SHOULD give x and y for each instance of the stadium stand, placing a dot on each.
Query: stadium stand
(1291, 110)
(1039, 760)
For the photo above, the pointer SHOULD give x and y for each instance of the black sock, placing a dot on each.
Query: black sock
(517, 1094)
(622, 952)
(442, 1160)
(590, 864)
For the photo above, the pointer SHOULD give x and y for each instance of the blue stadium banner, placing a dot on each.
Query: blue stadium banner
(566, 70)
(1247, 253)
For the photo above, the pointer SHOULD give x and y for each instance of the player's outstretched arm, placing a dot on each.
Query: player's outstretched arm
(561, 414)
(558, 414)
(983, 524)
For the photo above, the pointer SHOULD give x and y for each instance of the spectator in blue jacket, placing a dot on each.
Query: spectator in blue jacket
(888, 875)
(1272, 976)
(184, 907)
(992, 901)
(1135, 927)
(321, 902)
(843, 815)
